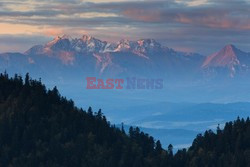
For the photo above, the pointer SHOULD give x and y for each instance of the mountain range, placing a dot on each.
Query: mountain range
(66, 56)
(65, 62)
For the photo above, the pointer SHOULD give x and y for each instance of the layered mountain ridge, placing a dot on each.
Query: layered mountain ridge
(90, 44)
(144, 57)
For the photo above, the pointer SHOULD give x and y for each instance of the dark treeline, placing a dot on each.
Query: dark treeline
(39, 127)
(229, 147)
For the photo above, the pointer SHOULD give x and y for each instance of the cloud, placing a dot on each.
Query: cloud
(214, 15)
(43, 13)
(53, 32)
(184, 24)
(226, 16)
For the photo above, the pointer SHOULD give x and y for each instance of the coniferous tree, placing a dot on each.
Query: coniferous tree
(39, 127)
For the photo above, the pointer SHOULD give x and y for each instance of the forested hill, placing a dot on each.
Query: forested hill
(229, 147)
(38, 127)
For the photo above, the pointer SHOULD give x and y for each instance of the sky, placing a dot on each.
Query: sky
(202, 26)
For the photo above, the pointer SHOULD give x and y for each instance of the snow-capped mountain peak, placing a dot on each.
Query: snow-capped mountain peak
(89, 44)
(142, 45)
(148, 43)
(65, 36)
(87, 38)
(228, 58)
(58, 38)
(145, 45)
(79, 45)
(59, 43)
(125, 45)
(128, 55)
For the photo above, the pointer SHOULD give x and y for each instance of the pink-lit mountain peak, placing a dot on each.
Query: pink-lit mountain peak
(227, 56)
(148, 43)
(90, 44)
(65, 36)
(229, 47)
(84, 38)
(87, 37)
(229, 51)
(62, 37)
(142, 45)
(59, 41)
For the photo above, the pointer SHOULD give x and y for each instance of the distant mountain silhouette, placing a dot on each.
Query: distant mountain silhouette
(145, 57)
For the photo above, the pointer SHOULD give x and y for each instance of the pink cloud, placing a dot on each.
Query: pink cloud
(209, 18)
(53, 32)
